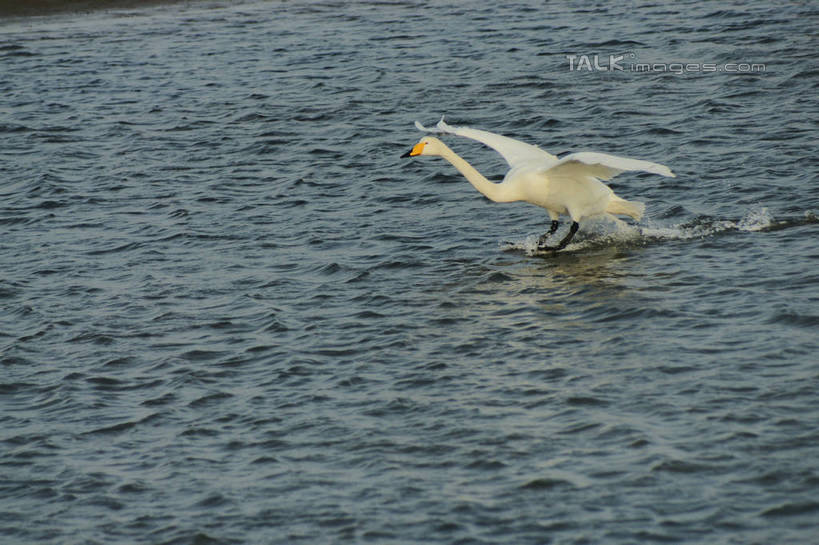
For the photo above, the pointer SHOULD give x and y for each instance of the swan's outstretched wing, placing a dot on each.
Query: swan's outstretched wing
(603, 166)
(514, 151)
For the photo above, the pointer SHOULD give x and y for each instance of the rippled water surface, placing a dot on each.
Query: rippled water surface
(231, 314)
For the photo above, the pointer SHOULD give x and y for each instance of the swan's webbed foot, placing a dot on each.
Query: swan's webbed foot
(563, 243)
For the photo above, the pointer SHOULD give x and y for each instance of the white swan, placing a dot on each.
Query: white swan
(570, 185)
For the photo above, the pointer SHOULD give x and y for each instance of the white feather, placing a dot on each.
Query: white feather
(513, 151)
(606, 167)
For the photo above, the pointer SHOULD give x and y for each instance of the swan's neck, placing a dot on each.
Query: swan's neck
(492, 191)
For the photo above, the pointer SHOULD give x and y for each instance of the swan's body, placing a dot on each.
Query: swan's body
(571, 185)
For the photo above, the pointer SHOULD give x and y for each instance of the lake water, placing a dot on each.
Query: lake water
(229, 313)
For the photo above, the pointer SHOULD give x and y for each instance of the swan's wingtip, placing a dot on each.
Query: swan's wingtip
(424, 129)
(441, 126)
(663, 170)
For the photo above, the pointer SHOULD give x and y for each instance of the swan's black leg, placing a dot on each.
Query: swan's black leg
(565, 242)
(542, 240)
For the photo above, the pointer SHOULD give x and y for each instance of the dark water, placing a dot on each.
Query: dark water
(231, 313)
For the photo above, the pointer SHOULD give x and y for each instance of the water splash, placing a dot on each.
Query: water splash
(595, 233)
(756, 220)
(609, 231)
(705, 226)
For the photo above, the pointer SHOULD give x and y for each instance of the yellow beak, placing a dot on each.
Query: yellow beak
(416, 150)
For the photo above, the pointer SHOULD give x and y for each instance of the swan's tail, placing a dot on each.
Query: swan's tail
(629, 208)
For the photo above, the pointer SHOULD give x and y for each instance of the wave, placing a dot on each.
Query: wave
(609, 231)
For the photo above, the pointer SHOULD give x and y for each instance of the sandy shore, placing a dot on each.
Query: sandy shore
(17, 8)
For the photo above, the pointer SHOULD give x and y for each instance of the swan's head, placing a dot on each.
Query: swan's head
(428, 145)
